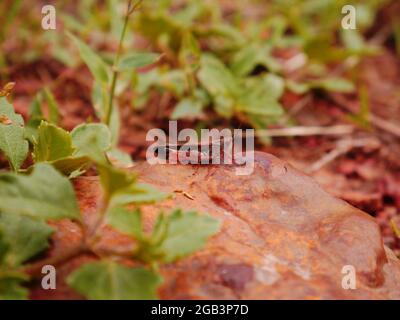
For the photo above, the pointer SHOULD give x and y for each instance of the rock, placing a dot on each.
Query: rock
(282, 236)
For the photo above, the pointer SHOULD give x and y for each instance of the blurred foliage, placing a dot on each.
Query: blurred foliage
(235, 58)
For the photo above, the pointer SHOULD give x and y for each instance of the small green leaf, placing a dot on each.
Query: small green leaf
(138, 193)
(177, 235)
(35, 117)
(189, 53)
(188, 108)
(137, 60)
(126, 221)
(114, 180)
(100, 99)
(333, 84)
(224, 106)
(91, 140)
(44, 194)
(120, 158)
(174, 81)
(72, 166)
(260, 96)
(328, 84)
(53, 143)
(117, 23)
(4, 246)
(54, 115)
(12, 135)
(96, 64)
(10, 279)
(274, 85)
(26, 237)
(216, 77)
(245, 61)
(107, 280)
(11, 288)
(85, 134)
(297, 87)
(186, 233)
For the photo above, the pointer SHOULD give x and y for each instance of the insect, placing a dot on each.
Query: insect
(200, 153)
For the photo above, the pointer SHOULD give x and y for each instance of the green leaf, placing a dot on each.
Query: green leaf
(72, 153)
(230, 36)
(126, 221)
(274, 85)
(114, 180)
(117, 23)
(216, 77)
(224, 106)
(188, 108)
(297, 87)
(137, 60)
(54, 115)
(333, 84)
(91, 140)
(328, 84)
(220, 83)
(53, 143)
(36, 114)
(174, 81)
(72, 166)
(107, 280)
(4, 246)
(82, 134)
(95, 63)
(100, 99)
(189, 53)
(120, 158)
(26, 237)
(177, 235)
(35, 118)
(186, 233)
(260, 96)
(245, 61)
(10, 278)
(12, 136)
(138, 193)
(11, 289)
(44, 194)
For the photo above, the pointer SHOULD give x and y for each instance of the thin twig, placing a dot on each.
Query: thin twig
(342, 147)
(306, 131)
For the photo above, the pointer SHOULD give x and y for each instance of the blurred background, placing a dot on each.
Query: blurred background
(324, 98)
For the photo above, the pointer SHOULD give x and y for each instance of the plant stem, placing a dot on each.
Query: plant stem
(115, 64)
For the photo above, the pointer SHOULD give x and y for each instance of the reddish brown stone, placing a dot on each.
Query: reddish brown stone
(282, 236)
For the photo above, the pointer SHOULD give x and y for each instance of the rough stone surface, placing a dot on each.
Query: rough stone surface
(282, 236)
